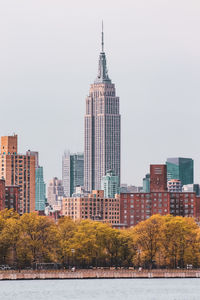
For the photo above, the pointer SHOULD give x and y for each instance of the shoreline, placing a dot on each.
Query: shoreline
(97, 274)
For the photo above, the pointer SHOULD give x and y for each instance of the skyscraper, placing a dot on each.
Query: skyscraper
(72, 172)
(102, 128)
(180, 168)
(40, 186)
(40, 189)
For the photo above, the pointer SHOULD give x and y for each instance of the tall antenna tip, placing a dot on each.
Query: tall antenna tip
(102, 39)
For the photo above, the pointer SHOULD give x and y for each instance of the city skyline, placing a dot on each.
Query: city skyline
(155, 70)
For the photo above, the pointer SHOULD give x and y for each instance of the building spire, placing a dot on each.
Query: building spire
(102, 70)
(102, 39)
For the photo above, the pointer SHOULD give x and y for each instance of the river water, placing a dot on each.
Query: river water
(104, 289)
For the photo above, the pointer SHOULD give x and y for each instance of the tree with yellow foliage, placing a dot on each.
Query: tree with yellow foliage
(147, 241)
(160, 241)
(180, 245)
(38, 240)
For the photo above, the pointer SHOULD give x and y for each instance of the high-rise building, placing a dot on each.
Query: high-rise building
(158, 178)
(36, 154)
(102, 129)
(110, 185)
(9, 145)
(72, 172)
(18, 170)
(40, 189)
(146, 183)
(55, 192)
(40, 186)
(180, 168)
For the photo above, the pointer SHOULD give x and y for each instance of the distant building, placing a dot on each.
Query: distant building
(55, 191)
(137, 207)
(191, 188)
(124, 188)
(40, 189)
(9, 196)
(158, 178)
(146, 183)
(174, 185)
(36, 154)
(94, 207)
(18, 170)
(40, 186)
(110, 185)
(102, 129)
(12, 198)
(2, 194)
(72, 172)
(197, 189)
(80, 192)
(180, 168)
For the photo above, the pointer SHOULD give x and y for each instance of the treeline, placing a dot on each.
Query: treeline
(162, 242)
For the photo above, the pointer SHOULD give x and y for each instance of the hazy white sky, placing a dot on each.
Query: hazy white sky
(49, 56)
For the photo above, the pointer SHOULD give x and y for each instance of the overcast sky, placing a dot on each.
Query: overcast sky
(49, 57)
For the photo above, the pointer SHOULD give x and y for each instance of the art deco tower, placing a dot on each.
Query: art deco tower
(102, 128)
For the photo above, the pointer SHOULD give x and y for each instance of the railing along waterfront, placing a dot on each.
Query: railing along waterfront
(97, 274)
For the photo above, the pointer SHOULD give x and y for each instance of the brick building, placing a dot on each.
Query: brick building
(138, 207)
(9, 196)
(158, 178)
(94, 207)
(18, 170)
(12, 195)
(2, 194)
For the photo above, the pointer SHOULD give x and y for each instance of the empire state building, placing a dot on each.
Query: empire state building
(102, 128)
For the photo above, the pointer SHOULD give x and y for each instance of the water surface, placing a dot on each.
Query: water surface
(104, 289)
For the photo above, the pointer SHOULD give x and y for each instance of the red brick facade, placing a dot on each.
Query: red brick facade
(137, 207)
(18, 170)
(12, 197)
(158, 178)
(2, 194)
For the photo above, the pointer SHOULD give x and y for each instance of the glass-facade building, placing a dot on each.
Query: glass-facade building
(180, 168)
(110, 185)
(72, 172)
(40, 189)
(146, 184)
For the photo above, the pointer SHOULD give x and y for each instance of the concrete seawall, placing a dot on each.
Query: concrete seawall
(97, 274)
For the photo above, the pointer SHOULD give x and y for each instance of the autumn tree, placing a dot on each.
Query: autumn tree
(66, 229)
(9, 232)
(38, 239)
(180, 242)
(147, 240)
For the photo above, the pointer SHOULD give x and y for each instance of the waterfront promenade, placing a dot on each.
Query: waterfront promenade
(97, 274)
